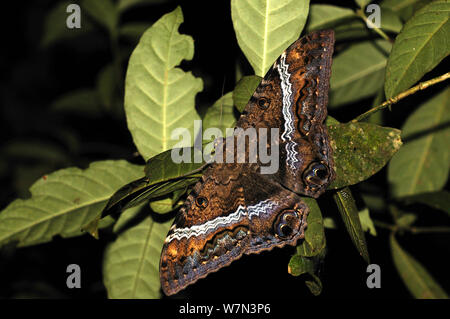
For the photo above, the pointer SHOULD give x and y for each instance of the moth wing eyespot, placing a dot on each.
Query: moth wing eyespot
(201, 202)
(286, 230)
(316, 174)
(287, 224)
(321, 172)
(264, 103)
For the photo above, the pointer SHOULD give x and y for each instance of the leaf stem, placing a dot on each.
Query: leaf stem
(437, 229)
(384, 225)
(413, 230)
(360, 13)
(395, 99)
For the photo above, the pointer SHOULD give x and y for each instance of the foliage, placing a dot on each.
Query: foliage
(264, 29)
(413, 169)
(158, 96)
(162, 94)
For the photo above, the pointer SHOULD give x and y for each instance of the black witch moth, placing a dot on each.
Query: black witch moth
(234, 209)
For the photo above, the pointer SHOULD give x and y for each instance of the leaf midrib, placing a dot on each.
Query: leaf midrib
(265, 37)
(141, 260)
(359, 75)
(166, 79)
(47, 218)
(411, 269)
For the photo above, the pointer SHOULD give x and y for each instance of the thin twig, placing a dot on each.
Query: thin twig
(395, 99)
(413, 230)
(384, 225)
(360, 13)
(422, 230)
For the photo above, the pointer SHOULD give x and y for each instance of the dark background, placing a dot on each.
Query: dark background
(32, 78)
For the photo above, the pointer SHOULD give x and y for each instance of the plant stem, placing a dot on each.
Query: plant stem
(395, 99)
(384, 225)
(437, 229)
(413, 230)
(360, 13)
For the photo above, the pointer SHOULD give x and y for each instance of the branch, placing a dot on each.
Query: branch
(360, 13)
(395, 99)
(384, 225)
(422, 230)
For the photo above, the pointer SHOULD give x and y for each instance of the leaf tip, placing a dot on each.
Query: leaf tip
(92, 227)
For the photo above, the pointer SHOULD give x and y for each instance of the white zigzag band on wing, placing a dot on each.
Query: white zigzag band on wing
(286, 88)
(212, 225)
(261, 207)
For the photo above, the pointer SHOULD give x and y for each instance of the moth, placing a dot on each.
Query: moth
(234, 209)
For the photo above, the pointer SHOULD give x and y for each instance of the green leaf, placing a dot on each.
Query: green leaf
(103, 12)
(390, 21)
(163, 176)
(438, 200)
(169, 202)
(377, 117)
(307, 266)
(404, 8)
(329, 222)
(166, 48)
(421, 165)
(131, 262)
(416, 278)
(314, 242)
(360, 150)
(133, 30)
(358, 72)
(221, 114)
(158, 96)
(349, 213)
(351, 31)
(171, 186)
(55, 26)
(107, 87)
(362, 3)
(322, 16)
(62, 202)
(405, 220)
(366, 222)
(176, 198)
(124, 5)
(329, 121)
(314, 285)
(420, 46)
(162, 168)
(127, 196)
(164, 205)
(34, 149)
(244, 90)
(299, 265)
(141, 190)
(264, 29)
(346, 24)
(374, 201)
(81, 101)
